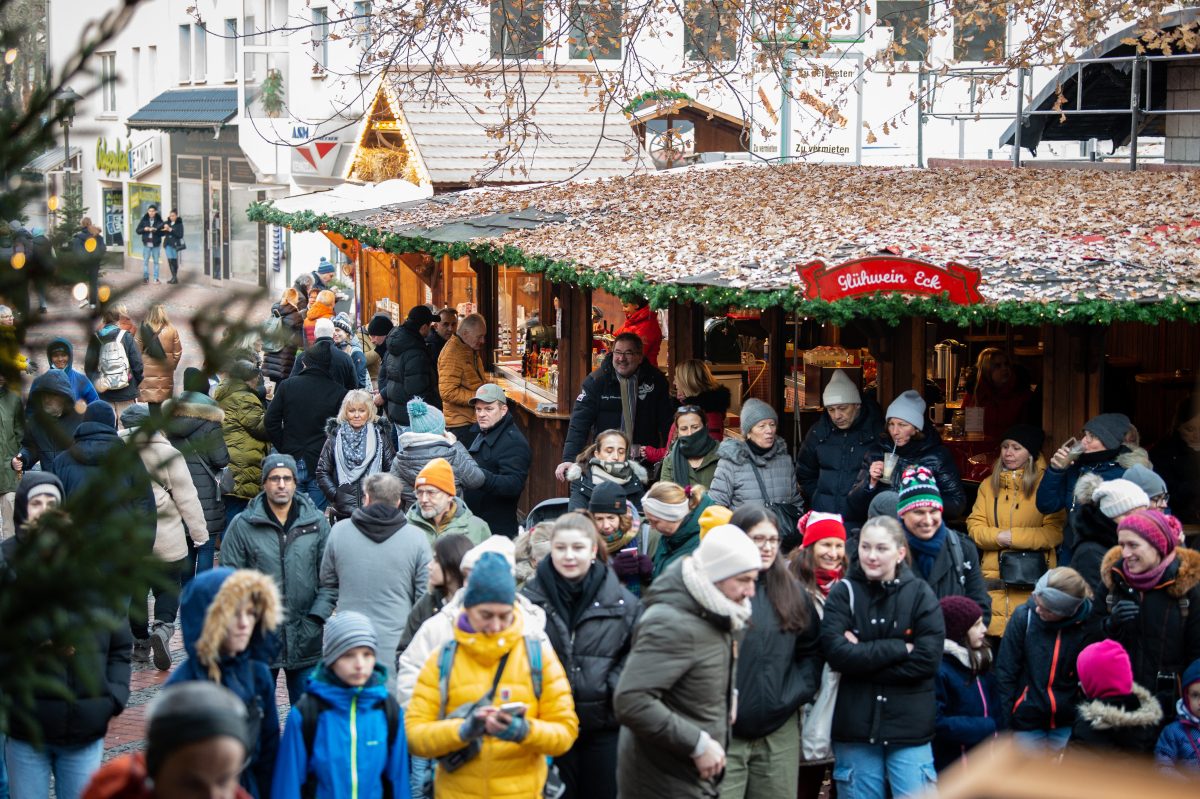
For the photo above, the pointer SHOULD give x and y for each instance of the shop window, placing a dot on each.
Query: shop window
(185, 53)
(320, 34)
(710, 30)
(908, 20)
(516, 28)
(243, 235)
(108, 82)
(152, 71)
(200, 54)
(980, 30)
(231, 33)
(136, 70)
(596, 30)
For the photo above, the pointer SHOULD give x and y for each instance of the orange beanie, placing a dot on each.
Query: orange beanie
(439, 474)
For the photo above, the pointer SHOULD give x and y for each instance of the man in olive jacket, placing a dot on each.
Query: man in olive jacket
(282, 534)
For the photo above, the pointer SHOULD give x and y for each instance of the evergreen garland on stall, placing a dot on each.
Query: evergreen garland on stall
(889, 308)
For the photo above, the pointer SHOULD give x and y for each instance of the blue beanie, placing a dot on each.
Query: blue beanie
(325, 267)
(491, 581)
(100, 411)
(1191, 675)
(424, 418)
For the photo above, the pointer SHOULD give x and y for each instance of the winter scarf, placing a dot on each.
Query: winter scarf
(755, 449)
(359, 452)
(569, 598)
(926, 552)
(695, 445)
(1148, 580)
(616, 542)
(827, 578)
(619, 472)
(710, 597)
(1085, 610)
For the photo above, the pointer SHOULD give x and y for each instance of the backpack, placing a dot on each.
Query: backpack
(115, 371)
(311, 707)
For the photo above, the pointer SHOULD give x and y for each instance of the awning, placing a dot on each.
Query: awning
(186, 109)
(50, 161)
(349, 198)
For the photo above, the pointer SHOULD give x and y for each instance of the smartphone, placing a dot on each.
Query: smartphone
(633, 549)
(514, 708)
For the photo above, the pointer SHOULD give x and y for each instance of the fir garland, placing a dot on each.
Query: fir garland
(889, 308)
(655, 95)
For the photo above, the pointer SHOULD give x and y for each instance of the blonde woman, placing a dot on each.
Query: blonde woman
(695, 387)
(358, 444)
(672, 516)
(161, 350)
(1016, 541)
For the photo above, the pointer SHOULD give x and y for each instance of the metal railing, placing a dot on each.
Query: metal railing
(1141, 75)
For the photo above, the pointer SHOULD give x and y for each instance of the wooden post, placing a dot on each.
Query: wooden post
(685, 325)
(1072, 379)
(574, 342)
(901, 360)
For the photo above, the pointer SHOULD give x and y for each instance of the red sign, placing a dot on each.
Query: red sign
(889, 275)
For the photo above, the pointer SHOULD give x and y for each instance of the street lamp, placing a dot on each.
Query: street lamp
(65, 99)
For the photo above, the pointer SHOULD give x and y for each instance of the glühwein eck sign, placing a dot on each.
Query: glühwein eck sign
(889, 275)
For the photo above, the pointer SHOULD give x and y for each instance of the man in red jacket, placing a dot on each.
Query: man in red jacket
(641, 320)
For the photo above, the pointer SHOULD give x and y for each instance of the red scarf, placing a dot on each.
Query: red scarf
(826, 578)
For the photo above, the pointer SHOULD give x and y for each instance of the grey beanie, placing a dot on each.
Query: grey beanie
(278, 460)
(1147, 479)
(753, 412)
(1110, 428)
(193, 711)
(908, 407)
(345, 630)
(884, 504)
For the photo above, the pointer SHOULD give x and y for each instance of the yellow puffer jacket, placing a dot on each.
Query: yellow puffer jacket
(501, 769)
(460, 374)
(1011, 510)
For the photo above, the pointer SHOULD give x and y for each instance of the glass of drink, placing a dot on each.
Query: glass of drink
(890, 459)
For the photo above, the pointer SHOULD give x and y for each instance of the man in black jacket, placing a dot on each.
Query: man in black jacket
(443, 327)
(296, 417)
(377, 331)
(411, 371)
(503, 453)
(832, 453)
(625, 393)
(341, 368)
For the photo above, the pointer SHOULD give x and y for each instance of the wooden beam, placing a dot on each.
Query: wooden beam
(574, 342)
(685, 326)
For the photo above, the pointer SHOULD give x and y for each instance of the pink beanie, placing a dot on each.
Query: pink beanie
(1104, 670)
(1159, 530)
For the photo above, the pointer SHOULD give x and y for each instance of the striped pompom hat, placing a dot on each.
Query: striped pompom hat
(918, 489)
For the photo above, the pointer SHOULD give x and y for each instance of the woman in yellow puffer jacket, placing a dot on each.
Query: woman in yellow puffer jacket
(510, 761)
(1006, 519)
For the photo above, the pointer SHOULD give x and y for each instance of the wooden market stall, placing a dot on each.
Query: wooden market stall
(901, 275)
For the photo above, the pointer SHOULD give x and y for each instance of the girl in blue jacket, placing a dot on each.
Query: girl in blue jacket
(1179, 745)
(965, 686)
(344, 738)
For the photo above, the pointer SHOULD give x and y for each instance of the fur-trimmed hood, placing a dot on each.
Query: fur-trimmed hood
(575, 471)
(957, 651)
(1135, 456)
(193, 405)
(1085, 488)
(208, 605)
(1107, 714)
(738, 452)
(1187, 576)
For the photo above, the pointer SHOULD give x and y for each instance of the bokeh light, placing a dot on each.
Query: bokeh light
(10, 55)
(104, 293)
(17, 260)
(52, 203)
(90, 244)
(80, 292)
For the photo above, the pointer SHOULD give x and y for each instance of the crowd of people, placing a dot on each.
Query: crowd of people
(708, 615)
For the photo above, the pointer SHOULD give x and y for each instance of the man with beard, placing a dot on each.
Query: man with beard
(282, 534)
(438, 511)
(378, 563)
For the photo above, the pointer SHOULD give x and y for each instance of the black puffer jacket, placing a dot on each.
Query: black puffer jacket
(295, 419)
(278, 365)
(411, 372)
(778, 671)
(598, 408)
(829, 459)
(1031, 654)
(926, 451)
(195, 430)
(593, 651)
(504, 455)
(345, 499)
(887, 693)
(1095, 533)
(947, 578)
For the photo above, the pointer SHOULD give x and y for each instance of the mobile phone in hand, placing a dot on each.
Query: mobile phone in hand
(514, 708)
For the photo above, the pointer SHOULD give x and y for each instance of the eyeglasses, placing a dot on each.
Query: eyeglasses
(625, 354)
(281, 478)
(765, 541)
(426, 493)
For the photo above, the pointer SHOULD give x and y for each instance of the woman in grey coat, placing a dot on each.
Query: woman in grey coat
(676, 692)
(425, 440)
(761, 461)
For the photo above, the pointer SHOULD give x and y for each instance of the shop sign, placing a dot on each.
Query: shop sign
(888, 275)
(146, 156)
(316, 157)
(111, 161)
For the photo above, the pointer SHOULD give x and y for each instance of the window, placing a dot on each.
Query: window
(362, 24)
(185, 53)
(200, 56)
(907, 19)
(152, 71)
(320, 36)
(231, 49)
(108, 82)
(980, 30)
(253, 37)
(516, 28)
(710, 30)
(596, 30)
(136, 70)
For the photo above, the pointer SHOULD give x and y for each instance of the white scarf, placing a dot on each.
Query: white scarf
(710, 597)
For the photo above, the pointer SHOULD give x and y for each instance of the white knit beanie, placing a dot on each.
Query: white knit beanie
(727, 551)
(841, 391)
(908, 407)
(497, 543)
(323, 328)
(1119, 496)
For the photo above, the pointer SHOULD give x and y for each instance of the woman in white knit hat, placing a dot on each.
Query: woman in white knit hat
(676, 696)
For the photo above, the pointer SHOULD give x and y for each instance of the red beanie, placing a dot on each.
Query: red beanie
(815, 526)
(1104, 670)
(1160, 530)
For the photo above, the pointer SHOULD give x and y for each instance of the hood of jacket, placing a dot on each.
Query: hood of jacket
(715, 400)
(1186, 568)
(93, 442)
(54, 381)
(58, 344)
(1135, 456)
(411, 440)
(458, 523)
(670, 589)
(575, 471)
(324, 685)
(1140, 709)
(378, 522)
(21, 499)
(738, 452)
(955, 650)
(190, 411)
(208, 605)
